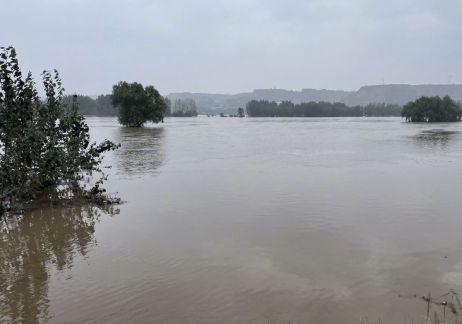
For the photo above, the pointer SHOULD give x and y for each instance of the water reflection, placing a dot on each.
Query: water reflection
(141, 150)
(435, 138)
(31, 248)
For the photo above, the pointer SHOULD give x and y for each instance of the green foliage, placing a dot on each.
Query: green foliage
(45, 147)
(431, 110)
(137, 104)
(184, 108)
(240, 112)
(263, 108)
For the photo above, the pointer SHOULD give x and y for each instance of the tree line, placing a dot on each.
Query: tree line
(183, 108)
(264, 108)
(101, 106)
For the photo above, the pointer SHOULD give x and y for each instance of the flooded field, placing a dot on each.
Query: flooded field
(250, 221)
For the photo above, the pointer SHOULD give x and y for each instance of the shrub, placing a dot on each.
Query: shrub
(45, 149)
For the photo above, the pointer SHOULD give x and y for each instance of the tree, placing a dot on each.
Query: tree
(87, 105)
(45, 148)
(431, 110)
(168, 106)
(240, 112)
(184, 108)
(104, 106)
(137, 104)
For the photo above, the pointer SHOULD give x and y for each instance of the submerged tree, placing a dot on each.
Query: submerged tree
(45, 149)
(100, 106)
(240, 112)
(137, 104)
(184, 108)
(431, 110)
(167, 107)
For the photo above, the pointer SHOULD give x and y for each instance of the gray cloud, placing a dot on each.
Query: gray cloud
(230, 46)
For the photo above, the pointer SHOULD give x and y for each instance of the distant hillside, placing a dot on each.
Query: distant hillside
(398, 94)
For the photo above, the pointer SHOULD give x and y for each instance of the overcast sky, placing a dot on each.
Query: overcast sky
(228, 46)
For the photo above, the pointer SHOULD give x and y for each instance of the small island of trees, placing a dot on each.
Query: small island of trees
(137, 104)
(432, 110)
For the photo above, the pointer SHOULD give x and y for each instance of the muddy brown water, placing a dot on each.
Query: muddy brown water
(231, 220)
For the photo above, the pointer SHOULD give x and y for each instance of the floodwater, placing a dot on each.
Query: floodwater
(230, 220)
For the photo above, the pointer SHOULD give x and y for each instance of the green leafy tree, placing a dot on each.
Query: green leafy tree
(431, 110)
(45, 148)
(137, 104)
(240, 112)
